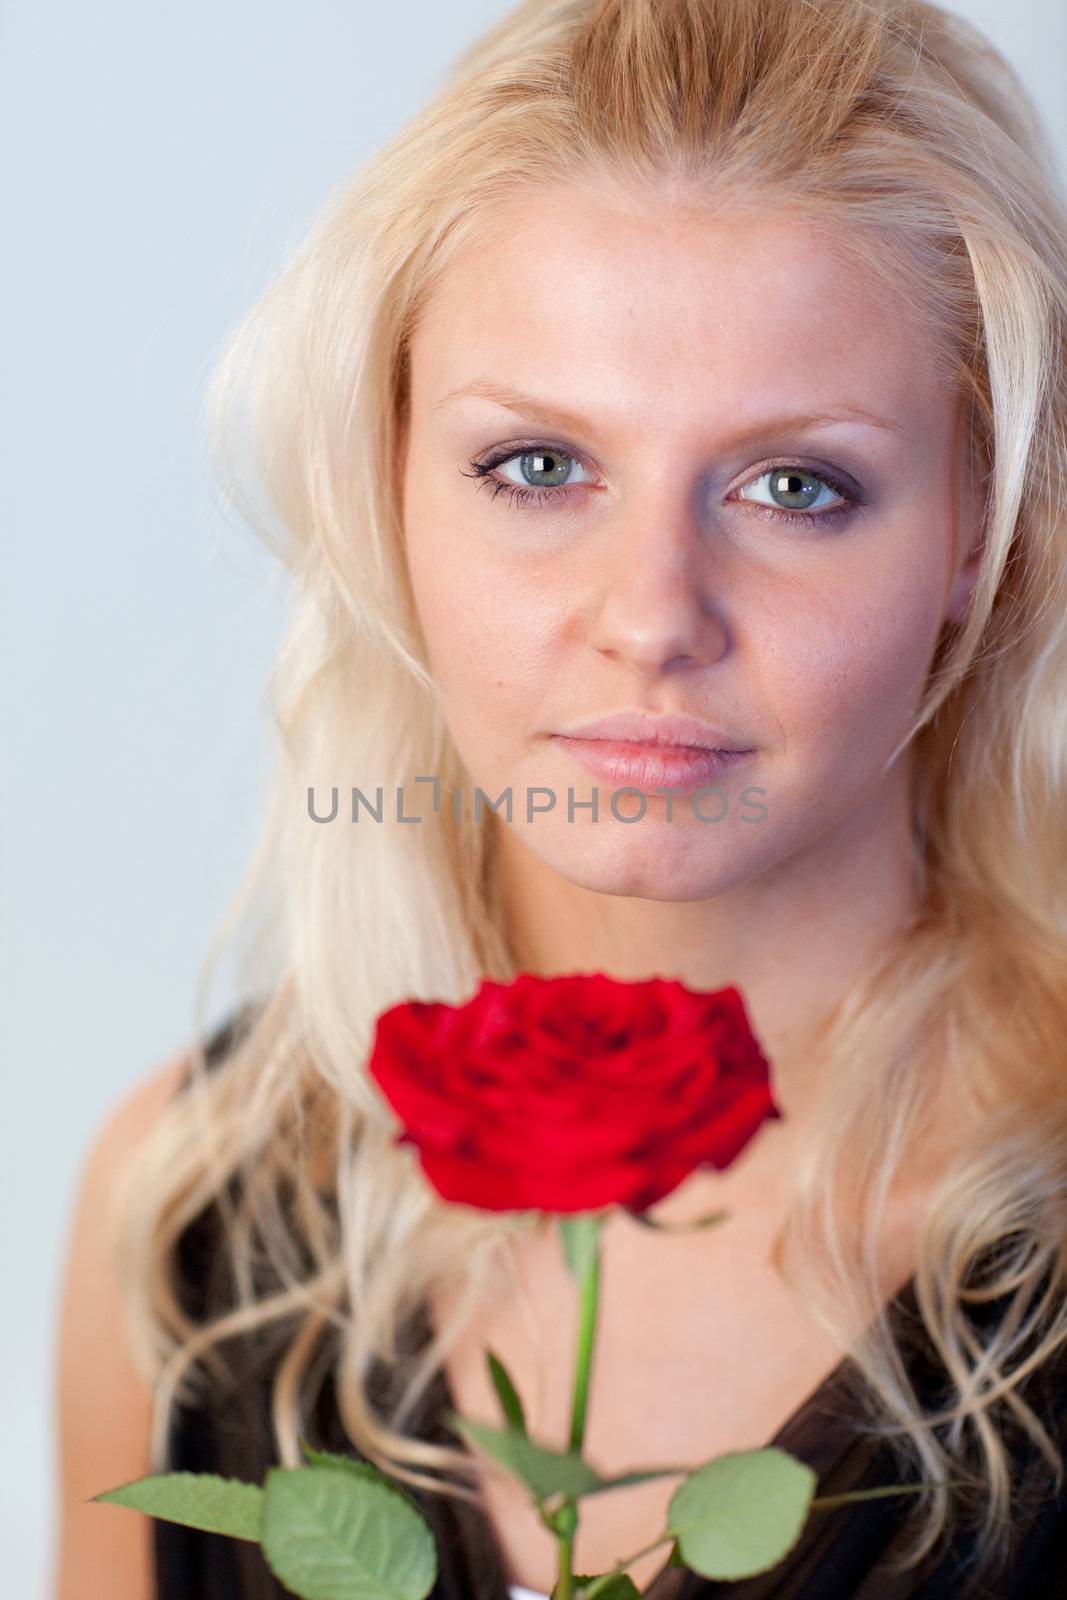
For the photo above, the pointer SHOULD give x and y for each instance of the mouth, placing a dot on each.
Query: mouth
(667, 729)
(648, 766)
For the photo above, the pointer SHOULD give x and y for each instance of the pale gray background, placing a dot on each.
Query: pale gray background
(156, 162)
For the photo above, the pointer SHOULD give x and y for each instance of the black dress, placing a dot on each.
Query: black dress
(839, 1555)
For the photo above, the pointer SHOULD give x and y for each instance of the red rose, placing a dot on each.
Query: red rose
(573, 1093)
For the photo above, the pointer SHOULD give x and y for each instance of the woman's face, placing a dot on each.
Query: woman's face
(676, 385)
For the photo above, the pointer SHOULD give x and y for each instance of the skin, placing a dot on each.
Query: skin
(678, 337)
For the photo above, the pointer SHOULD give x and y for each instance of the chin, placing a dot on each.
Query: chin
(645, 867)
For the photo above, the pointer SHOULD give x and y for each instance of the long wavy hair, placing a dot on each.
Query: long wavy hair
(898, 121)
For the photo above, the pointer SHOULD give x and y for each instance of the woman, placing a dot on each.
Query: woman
(692, 360)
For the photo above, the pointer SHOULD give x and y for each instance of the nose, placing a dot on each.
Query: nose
(654, 611)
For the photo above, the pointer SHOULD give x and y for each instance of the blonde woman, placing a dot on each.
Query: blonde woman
(700, 364)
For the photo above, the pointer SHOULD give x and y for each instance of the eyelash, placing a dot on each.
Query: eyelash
(519, 495)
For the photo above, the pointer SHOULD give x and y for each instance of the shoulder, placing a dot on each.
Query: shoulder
(118, 1134)
(89, 1271)
(103, 1547)
(132, 1116)
(126, 1124)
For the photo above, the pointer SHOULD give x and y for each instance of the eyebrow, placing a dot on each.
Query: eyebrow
(549, 415)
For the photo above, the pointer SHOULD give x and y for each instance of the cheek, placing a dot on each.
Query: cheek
(845, 672)
(488, 626)
(444, 587)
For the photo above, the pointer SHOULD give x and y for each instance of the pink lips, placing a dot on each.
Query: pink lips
(643, 750)
(648, 766)
(646, 728)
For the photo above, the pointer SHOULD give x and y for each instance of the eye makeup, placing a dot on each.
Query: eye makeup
(485, 470)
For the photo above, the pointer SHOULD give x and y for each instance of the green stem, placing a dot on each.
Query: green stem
(586, 1337)
(568, 1512)
(564, 1589)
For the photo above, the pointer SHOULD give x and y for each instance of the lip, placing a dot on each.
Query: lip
(644, 729)
(646, 766)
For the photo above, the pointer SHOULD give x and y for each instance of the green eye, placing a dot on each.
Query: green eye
(796, 493)
(794, 489)
(544, 469)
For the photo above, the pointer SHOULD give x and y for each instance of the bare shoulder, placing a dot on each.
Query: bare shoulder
(103, 1407)
(134, 1113)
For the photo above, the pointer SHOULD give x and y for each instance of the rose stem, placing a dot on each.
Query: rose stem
(586, 1337)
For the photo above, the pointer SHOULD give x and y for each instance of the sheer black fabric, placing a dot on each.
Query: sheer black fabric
(840, 1555)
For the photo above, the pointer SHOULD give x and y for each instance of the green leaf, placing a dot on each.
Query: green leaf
(544, 1471)
(580, 1235)
(363, 1469)
(706, 1221)
(345, 1535)
(741, 1513)
(507, 1393)
(611, 1586)
(196, 1500)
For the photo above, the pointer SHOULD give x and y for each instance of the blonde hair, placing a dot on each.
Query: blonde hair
(899, 121)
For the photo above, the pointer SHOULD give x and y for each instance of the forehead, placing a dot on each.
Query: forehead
(659, 307)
